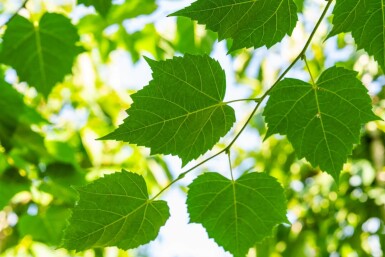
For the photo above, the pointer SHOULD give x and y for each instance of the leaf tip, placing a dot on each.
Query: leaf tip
(267, 135)
(374, 117)
(150, 61)
(174, 14)
(106, 137)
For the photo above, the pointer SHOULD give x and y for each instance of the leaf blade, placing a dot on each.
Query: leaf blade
(181, 111)
(112, 211)
(36, 52)
(248, 22)
(242, 220)
(101, 6)
(366, 20)
(322, 121)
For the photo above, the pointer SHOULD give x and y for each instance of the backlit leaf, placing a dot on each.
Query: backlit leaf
(11, 183)
(131, 9)
(43, 53)
(322, 121)
(115, 211)
(59, 179)
(237, 214)
(365, 19)
(181, 111)
(300, 4)
(102, 6)
(250, 23)
(13, 109)
(46, 226)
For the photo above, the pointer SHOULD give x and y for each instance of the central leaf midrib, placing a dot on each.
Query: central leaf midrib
(383, 33)
(266, 21)
(201, 129)
(315, 88)
(168, 120)
(235, 215)
(140, 226)
(188, 84)
(39, 51)
(112, 223)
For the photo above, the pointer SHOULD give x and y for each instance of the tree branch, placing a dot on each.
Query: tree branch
(260, 100)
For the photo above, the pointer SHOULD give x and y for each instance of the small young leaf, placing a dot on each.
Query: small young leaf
(115, 211)
(322, 121)
(101, 6)
(237, 214)
(181, 111)
(250, 23)
(42, 54)
(365, 19)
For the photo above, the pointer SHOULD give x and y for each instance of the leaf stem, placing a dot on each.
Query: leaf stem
(183, 174)
(260, 100)
(257, 100)
(308, 70)
(15, 13)
(231, 167)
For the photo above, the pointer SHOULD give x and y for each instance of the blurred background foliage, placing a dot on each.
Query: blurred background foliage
(49, 145)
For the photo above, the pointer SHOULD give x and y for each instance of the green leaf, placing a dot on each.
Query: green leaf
(322, 121)
(237, 214)
(42, 54)
(187, 40)
(57, 181)
(11, 184)
(300, 4)
(45, 227)
(9, 189)
(250, 23)
(181, 111)
(13, 109)
(61, 151)
(101, 6)
(131, 9)
(185, 36)
(115, 211)
(365, 19)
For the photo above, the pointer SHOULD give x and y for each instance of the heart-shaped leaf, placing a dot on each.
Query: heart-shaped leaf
(237, 214)
(115, 211)
(42, 53)
(322, 121)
